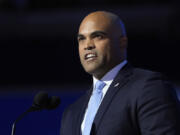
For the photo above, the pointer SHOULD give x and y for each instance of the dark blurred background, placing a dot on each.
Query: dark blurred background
(38, 43)
(39, 50)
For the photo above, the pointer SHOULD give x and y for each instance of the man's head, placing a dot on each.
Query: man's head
(102, 42)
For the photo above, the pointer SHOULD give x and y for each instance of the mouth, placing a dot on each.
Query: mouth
(90, 56)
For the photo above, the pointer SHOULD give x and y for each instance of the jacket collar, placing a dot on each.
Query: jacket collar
(120, 80)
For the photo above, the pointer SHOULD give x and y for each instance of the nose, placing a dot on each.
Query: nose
(89, 45)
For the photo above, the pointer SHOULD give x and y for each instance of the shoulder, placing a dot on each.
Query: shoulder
(147, 74)
(76, 105)
(154, 87)
(139, 74)
(140, 77)
(147, 78)
(74, 109)
(151, 78)
(70, 114)
(152, 81)
(147, 85)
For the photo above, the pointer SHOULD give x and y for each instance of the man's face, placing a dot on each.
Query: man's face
(98, 48)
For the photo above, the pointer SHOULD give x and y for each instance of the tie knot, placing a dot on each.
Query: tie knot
(99, 86)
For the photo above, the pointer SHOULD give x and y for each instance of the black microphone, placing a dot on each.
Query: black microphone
(41, 101)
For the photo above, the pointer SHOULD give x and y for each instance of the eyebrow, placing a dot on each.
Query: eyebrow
(98, 33)
(93, 33)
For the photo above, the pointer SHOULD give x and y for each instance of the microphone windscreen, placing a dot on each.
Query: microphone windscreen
(40, 100)
(53, 102)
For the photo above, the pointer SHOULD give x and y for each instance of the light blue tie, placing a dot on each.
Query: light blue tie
(93, 106)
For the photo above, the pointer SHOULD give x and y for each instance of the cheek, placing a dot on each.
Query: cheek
(80, 52)
(104, 49)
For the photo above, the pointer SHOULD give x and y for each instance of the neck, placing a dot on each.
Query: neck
(101, 73)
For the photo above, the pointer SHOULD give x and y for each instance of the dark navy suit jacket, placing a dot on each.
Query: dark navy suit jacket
(138, 102)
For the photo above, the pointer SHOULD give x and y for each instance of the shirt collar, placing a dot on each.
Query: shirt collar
(109, 76)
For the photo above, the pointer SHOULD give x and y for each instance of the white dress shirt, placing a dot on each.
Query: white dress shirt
(107, 78)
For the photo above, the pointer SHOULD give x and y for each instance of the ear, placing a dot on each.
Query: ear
(123, 42)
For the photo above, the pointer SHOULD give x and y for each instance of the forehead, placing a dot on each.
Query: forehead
(92, 24)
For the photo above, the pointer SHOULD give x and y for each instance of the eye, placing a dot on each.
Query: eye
(80, 39)
(98, 36)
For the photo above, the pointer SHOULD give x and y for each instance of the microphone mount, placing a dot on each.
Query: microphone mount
(41, 101)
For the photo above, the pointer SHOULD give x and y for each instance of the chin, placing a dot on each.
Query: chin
(93, 70)
(90, 69)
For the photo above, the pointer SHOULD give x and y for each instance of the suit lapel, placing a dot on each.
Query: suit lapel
(82, 111)
(120, 80)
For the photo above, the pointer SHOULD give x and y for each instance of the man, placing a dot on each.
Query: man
(129, 101)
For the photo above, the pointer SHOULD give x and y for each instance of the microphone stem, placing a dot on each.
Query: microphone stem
(32, 108)
(13, 128)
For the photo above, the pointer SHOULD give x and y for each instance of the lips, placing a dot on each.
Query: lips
(90, 56)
